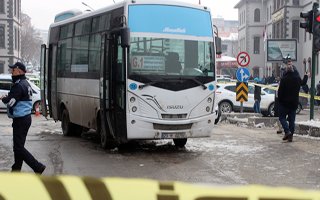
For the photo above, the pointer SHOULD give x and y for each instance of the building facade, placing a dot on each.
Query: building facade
(228, 32)
(273, 19)
(10, 31)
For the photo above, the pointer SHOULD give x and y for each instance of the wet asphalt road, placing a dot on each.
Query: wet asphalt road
(231, 156)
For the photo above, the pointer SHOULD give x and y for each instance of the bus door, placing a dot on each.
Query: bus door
(114, 87)
(43, 80)
(52, 82)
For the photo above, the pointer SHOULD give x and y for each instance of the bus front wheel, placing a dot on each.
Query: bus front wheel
(180, 142)
(106, 139)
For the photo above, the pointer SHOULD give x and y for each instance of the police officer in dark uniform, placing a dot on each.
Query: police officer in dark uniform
(19, 105)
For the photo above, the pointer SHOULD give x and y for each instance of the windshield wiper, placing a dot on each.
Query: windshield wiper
(192, 79)
(201, 84)
(148, 84)
(196, 81)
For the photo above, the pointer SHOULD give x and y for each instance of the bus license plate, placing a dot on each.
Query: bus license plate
(174, 135)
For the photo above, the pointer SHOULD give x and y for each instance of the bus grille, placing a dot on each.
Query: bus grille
(174, 116)
(172, 127)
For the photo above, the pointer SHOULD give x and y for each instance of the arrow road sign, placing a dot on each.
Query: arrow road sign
(243, 59)
(242, 91)
(243, 74)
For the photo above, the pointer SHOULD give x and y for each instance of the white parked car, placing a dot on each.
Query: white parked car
(5, 85)
(226, 99)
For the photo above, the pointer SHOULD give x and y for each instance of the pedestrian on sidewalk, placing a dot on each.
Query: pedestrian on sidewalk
(19, 105)
(288, 95)
(257, 96)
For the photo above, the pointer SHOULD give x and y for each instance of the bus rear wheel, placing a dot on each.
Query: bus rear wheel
(180, 142)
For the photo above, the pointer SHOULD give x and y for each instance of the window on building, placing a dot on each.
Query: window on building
(1, 6)
(295, 29)
(224, 48)
(256, 45)
(16, 36)
(270, 12)
(1, 67)
(274, 5)
(267, 13)
(18, 39)
(282, 29)
(257, 15)
(295, 2)
(2, 36)
(15, 7)
(18, 10)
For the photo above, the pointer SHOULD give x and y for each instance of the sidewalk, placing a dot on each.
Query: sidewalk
(304, 126)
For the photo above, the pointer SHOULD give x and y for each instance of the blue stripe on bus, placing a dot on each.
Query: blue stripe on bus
(163, 19)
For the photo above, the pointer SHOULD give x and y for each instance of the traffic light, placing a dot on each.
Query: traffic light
(316, 31)
(307, 24)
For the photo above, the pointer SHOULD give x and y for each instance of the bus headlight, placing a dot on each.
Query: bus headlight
(134, 109)
(209, 100)
(208, 109)
(132, 99)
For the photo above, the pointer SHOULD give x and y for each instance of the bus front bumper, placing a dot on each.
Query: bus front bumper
(146, 128)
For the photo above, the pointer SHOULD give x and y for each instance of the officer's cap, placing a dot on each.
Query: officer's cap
(18, 65)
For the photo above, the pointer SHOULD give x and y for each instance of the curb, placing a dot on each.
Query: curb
(255, 121)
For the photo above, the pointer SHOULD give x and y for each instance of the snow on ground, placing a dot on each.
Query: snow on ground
(313, 123)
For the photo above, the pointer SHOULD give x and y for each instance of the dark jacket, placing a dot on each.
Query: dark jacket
(288, 93)
(257, 93)
(19, 99)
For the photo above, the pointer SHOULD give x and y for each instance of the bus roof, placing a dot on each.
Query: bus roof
(127, 2)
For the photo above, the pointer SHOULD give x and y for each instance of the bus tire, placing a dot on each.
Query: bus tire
(180, 142)
(105, 138)
(68, 128)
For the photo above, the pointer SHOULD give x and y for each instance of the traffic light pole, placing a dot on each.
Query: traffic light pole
(313, 77)
(315, 49)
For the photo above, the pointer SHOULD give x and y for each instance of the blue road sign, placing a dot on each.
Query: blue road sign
(243, 74)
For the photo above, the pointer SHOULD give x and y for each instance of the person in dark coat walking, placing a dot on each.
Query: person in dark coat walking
(288, 96)
(19, 105)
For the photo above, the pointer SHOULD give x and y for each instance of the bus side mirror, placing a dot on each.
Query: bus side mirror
(125, 37)
(218, 45)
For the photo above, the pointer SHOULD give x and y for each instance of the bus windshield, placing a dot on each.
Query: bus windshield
(171, 57)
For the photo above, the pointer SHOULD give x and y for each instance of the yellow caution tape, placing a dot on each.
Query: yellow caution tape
(17, 186)
(276, 89)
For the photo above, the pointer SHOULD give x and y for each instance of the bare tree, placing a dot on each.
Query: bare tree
(30, 42)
